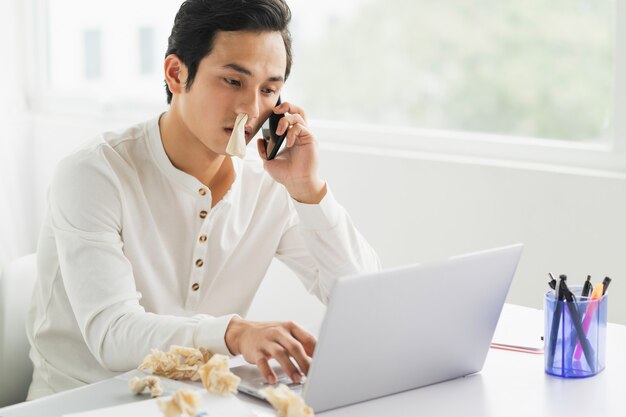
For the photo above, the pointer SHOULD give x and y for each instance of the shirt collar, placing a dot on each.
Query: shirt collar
(187, 181)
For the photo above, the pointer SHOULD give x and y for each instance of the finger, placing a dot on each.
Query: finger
(288, 121)
(291, 108)
(307, 340)
(296, 131)
(283, 126)
(266, 371)
(291, 119)
(295, 349)
(285, 362)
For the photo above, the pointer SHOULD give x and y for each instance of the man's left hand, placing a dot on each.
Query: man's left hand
(296, 165)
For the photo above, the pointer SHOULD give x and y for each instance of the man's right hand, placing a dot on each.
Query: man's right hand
(258, 342)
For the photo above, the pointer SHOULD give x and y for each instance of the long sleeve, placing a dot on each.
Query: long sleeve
(134, 254)
(322, 244)
(86, 212)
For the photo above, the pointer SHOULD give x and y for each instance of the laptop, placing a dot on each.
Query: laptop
(403, 328)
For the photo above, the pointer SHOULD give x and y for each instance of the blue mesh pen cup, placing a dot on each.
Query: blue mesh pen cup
(575, 335)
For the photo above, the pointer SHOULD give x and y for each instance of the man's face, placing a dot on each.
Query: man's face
(243, 74)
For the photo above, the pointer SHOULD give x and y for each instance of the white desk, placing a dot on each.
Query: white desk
(510, 384)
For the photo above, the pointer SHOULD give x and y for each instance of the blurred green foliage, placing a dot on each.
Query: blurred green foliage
(532, 68)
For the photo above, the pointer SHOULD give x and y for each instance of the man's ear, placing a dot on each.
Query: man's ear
(175, 74)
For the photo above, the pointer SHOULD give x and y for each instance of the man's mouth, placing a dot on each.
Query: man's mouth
(248, 132)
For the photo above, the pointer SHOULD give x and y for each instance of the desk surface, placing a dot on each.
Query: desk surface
(511, 384)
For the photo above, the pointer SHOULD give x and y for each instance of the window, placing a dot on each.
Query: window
(92, 55)
(436, 76)
(537, 68)
(147, 51)
(123, 43)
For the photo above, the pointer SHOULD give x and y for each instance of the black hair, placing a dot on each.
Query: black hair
(198, 21)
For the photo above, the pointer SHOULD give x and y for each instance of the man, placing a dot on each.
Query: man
(156, 236)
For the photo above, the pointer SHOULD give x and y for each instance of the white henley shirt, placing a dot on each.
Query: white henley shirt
(132, 257)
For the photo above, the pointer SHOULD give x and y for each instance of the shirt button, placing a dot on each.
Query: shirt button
(202, 191)
(203, 214)
(202, 238)
(199, 263)
(195, 286)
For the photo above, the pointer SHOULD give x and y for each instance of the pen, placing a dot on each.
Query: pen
(587, 287)
(591, 309)
(605, 284)
(578, 326)
(556, 318)
(552, 282)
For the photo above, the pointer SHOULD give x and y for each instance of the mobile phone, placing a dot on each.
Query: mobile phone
(272, 141)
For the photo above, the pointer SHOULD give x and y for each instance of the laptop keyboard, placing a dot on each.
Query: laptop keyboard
(282, 379)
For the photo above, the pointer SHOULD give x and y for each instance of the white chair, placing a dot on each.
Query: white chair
(16, 369)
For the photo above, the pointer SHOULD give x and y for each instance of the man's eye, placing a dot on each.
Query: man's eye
(267, 91)
(232, 82)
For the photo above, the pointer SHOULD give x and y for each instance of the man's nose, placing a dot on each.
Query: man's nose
(249, 104)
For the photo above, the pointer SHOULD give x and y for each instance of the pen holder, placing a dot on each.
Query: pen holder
(575, 335)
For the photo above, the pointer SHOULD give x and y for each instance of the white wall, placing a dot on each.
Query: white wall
(418, 207)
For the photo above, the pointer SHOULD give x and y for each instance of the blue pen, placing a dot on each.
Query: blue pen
(578, 327)
(605, 284)
(556, 319)
(552, 282)
(587, 287)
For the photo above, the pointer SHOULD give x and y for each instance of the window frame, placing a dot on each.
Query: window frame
(551, 154)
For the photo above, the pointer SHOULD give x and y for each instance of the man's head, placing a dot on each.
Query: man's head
(199, 21)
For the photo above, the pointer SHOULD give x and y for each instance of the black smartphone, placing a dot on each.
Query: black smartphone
(273, 141)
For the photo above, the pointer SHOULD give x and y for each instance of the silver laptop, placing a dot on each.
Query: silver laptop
(404, 328)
